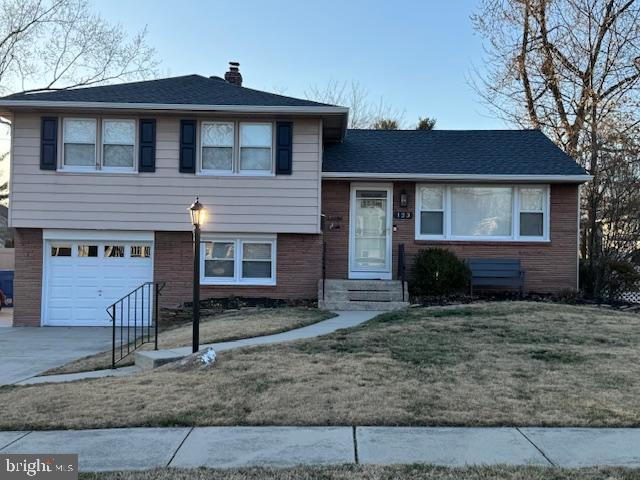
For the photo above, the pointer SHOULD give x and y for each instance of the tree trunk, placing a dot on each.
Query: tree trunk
(593, 253)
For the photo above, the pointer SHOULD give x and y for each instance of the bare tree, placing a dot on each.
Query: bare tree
(61, 44)
(363, 112)
(572, 69)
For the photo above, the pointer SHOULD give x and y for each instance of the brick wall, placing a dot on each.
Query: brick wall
(550, 266)
(27, 283)
(298, 269)
(335, 207)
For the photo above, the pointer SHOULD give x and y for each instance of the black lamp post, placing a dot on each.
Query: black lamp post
(197, 213)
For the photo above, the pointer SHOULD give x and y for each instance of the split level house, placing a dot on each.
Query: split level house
(102, 178)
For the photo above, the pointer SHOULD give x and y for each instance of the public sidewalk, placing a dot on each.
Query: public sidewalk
(225, 447)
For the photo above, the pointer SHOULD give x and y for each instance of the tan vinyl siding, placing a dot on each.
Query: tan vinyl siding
(159, 200)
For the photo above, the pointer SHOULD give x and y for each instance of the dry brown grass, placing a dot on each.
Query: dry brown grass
(375, 472)
(228, 326)
(510, 363)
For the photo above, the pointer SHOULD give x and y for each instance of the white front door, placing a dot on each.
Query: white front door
(370, 231)
(83, 277)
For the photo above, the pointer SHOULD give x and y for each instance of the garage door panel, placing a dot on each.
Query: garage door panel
(62, 270)
(60, 292)
(78, 289)
(86, 293)
(58, 314)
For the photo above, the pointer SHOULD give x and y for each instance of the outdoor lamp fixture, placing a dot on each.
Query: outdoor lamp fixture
(403, 199)
(196, 210)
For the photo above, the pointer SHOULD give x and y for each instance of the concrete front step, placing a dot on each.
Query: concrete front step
(362, 294)
(357, 305)
(362, 284)
(150, 359)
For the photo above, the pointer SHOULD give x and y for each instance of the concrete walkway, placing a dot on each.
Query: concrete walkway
(343, 319)
(224, 447)
(150, 358)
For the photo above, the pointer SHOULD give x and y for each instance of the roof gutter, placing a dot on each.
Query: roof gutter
(174, 106)
(439, 177)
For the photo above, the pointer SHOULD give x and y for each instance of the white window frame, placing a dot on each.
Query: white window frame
(515, 223)
(79, 168)
(99, 145)
(239, 241)
(418, 214)
(219, 280)
(208, 171)
(132, 168)
(236, 170)
(545, 203)
(254, 172)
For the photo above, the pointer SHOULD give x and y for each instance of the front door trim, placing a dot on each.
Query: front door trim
(374, 275)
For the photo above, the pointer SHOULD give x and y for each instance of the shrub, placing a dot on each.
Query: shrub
(608, 279)
(437, 271)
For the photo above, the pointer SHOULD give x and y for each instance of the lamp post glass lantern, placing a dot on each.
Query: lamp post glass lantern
(196, 211)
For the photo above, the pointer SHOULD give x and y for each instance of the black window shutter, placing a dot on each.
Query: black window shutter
(284, 146)
(147, 162)
(49, 143)
(187, 146)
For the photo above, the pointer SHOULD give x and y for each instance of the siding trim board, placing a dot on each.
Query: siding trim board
(311, 110)
(458, 177)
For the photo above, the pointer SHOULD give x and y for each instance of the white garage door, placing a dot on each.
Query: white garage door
(82, 278)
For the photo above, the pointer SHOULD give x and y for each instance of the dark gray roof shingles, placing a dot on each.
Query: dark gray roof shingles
(185, 90)
(457, 152)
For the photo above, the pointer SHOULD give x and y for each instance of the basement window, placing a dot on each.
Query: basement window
(239, 260)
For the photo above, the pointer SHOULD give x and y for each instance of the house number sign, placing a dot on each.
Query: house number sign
(403, 215)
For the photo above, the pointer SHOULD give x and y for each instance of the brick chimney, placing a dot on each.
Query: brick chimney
(233, 75)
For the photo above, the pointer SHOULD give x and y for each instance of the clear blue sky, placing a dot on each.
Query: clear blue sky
(418, 55)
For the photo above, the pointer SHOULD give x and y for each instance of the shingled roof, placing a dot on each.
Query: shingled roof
(448, 152)
(185, 90)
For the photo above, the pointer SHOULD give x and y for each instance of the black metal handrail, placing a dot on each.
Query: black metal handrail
(135, 317)
(401, 267)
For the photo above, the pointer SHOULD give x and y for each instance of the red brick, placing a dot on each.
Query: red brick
(27, 283)
(549, 266)
(298, 268)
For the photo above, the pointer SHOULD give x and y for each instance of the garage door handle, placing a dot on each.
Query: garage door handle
(99, 293)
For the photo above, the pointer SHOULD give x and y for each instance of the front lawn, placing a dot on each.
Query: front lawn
(228, 326)
(486, 364)
(375, 472)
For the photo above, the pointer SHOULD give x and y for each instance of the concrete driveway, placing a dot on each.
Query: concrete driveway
(26, 352)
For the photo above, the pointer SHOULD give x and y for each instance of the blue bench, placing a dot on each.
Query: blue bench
(496, 272)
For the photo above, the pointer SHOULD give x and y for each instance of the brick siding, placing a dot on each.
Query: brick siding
(298, 268)
(549, 266)
(27, 283)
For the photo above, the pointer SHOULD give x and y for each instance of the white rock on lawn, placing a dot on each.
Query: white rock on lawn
(208, 357)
